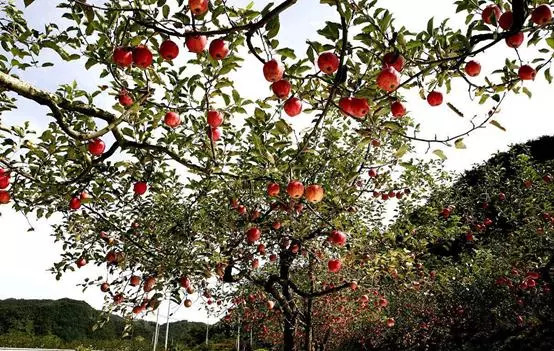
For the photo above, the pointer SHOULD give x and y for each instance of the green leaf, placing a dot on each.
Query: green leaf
(497, 125)
(273, 27)
(550, 42)
(286, 52)
(440, 154)
(28, 2)
(453, 108)
(459, 144)
(402, 151)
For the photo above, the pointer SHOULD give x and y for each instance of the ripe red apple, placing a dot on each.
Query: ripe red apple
(135, 280)
(388, 79)
(345, 106)
(353, 285)
(270, 304)
(96, 147)
(215, 118)
(122, 57)
(184, 282)
(172, 119)
(527, 183)
(81, 262)
(515, 40)
(118, 299)
(169, 50)
(435, 98)
(273, 70)
(501, 196)
(541, 15)
(294, 248)
(149, 284)
(314, 193)
(4, 181)
(124, 98)
(372, 173)
(390, 322)
(281, 88)
(491, 12)
(276, 225)
(295, 189)
(334, 265)
(526, 72)
(488, 222)
(105, 287)
(375, 142)
(547, 178)
(293, 106)
(214, 133)
(75, 203)
(4, 197)
(394, 59)
(198, 7)
(261, 249)
(473, 68)
(506, 20)
(188, 303)
(255, 263)
(273, 257)
(383, 302)
(337, 237)
(140, 188)
(142, 56)
(397, 109)
(253, 234)
(241, 209)
(218, 49)
(328, 62)
(196, 43)
(273, 189)
(84, 196)
(359, 107)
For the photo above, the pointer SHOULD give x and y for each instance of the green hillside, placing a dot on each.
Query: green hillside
(69, 323)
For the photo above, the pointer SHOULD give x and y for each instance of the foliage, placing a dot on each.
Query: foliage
(171, 203)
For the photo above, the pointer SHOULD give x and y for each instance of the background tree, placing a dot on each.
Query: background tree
(176, 186)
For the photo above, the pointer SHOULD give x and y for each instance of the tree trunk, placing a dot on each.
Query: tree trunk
(308, 332)
(288, 334)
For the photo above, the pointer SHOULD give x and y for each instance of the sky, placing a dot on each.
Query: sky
(26, 256)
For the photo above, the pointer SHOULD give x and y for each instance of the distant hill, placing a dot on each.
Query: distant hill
(66, 322)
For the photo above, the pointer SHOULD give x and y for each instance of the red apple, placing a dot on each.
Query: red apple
(273, 70)
(273, 257)
(188, 303)
(345, 106)
(81, 262)
(172, 119)
(196, 43)
(273, 189)
(241, 209)
(270, 304)
(4, 181)
(337, 237)
(215, 118)
(375, 143)
(526, 72)
(135, 280)
(75, 203)
(169, 50)
(140, 188)
(96, 147)
(515, 40)
(218, 49)
(184, 282)
(122, 57)
(276, 225)
(261, 249)
(491, 12)
(253, 234)
(501, 196)
(388, 79)
(473, 68)
(541, 15)
(214, 133)
(353, 285)
(4, 197)
(142, 56)
(393, 59)
(198, 7)
(506, 20)
(105, 287)
(334, 265)
(390, 322)
(118, 299)
(149, 284)
(397, 109)
(295, 189)
(124, 99)
(293, 106)
(328, 62)
(281, 88)
(314, 193)
(434, 98)
(359, 107)
(255, 263)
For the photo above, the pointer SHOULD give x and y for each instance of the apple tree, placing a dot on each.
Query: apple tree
(181, 185)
